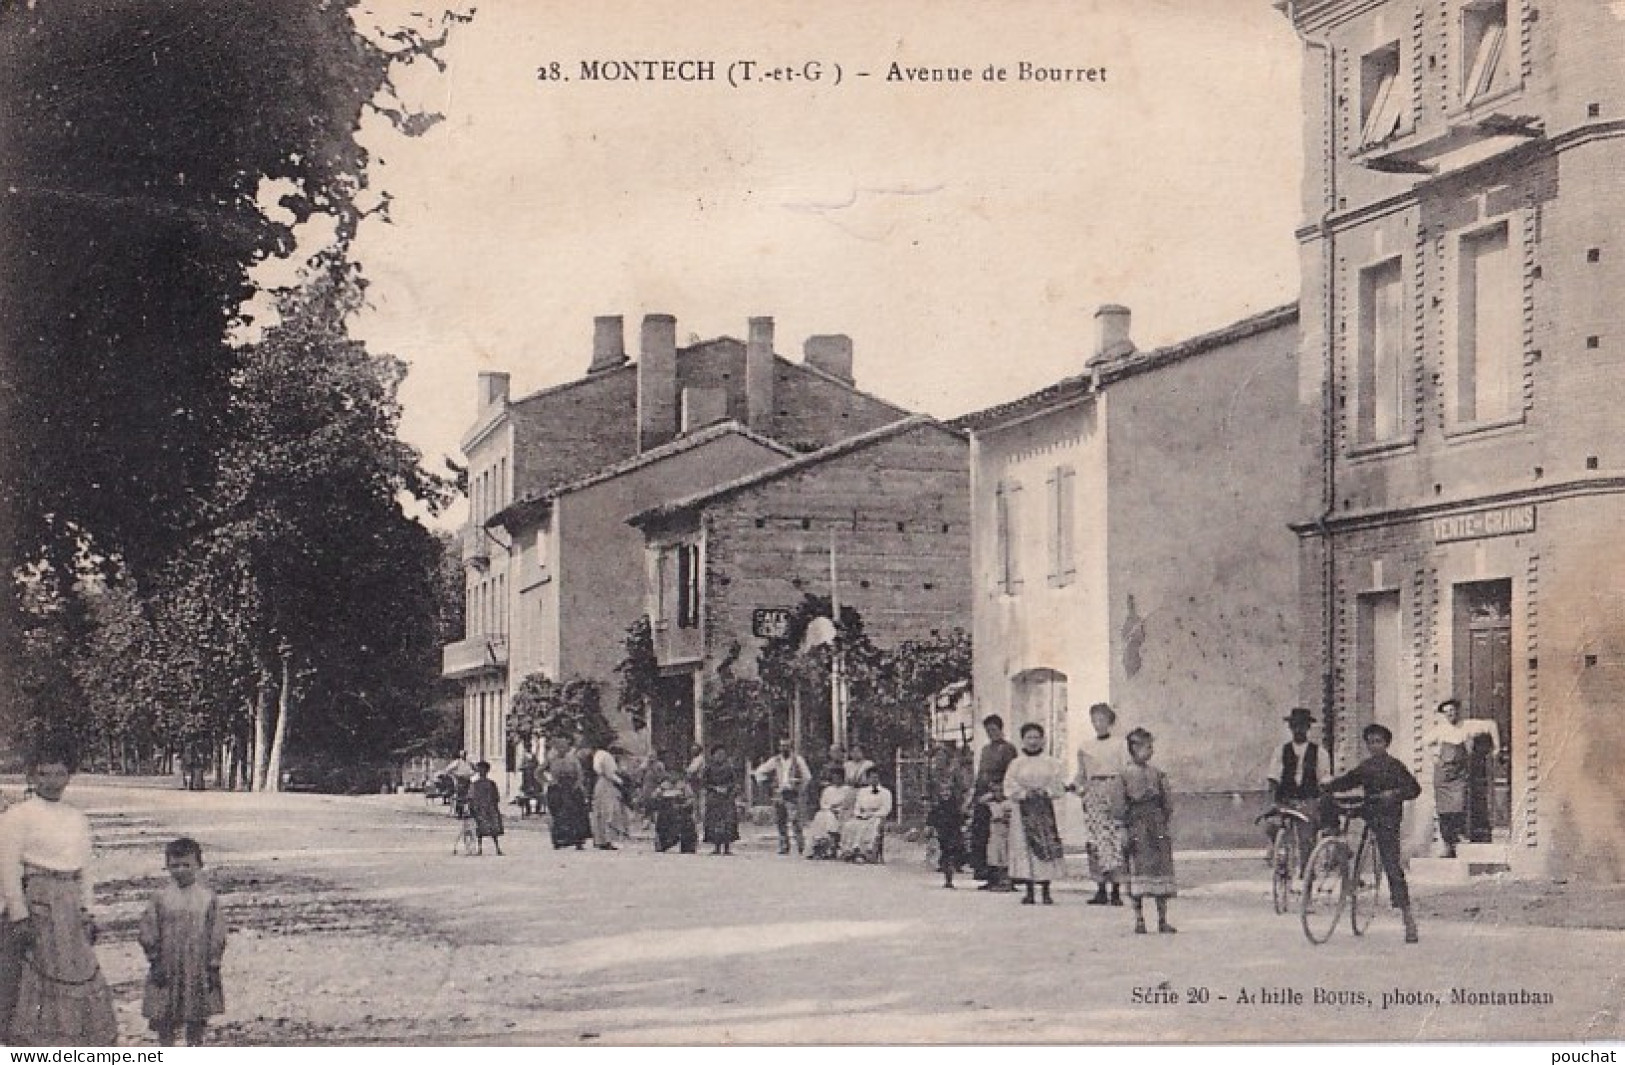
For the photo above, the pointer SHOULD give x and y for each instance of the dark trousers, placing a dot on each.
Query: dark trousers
(787, 814)
(13, 946)
(1388, 851)
(1452, 829)
(981, 826)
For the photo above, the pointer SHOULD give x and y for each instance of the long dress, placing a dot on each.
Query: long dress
(485, 806)
(1150, 852)
(721, 819)
(824, 831)
(862, 832)
(62, 999)
(1100, 784)
(609, 815)
(184, 938)
(566, 804)
(1032, 783)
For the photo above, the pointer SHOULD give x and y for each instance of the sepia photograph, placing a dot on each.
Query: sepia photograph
(1051, 523)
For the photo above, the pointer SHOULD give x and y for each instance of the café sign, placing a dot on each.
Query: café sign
(770, 622)
(1478, 524)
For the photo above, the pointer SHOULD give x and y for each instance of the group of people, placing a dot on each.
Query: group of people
(52, 991)
(1386, 785)
(1015, 840)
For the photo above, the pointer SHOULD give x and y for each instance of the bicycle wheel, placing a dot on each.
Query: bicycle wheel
(1367, 885)
(1283, 866)
(1325, 888)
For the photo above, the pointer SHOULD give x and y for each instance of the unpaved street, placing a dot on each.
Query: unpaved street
(353, 922)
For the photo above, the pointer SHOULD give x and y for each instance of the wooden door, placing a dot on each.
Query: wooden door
(1489, 696)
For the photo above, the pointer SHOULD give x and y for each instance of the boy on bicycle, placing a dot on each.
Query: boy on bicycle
(1388, 786)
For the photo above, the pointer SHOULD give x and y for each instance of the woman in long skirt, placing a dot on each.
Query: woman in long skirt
(610, 820)
(1149, 806)
(721, 783)
(62, 998)
(566, 802)
(1099, 782)
(862, 833)
(1032, 783)
(485, 807)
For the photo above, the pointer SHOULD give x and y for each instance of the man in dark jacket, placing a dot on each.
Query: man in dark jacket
(1388, 786)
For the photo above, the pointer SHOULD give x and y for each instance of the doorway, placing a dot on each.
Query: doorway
(671, 728)
(1040, 695)
(1483, 659)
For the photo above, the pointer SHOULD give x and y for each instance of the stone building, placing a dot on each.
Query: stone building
(554, 575)
(1461, 259)
(892, 505)
(1131, 546)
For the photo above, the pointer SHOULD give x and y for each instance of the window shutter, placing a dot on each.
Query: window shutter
(1001, 502)
(1052, 501)
(1013, 507)
(682, 585)
(1068, 504)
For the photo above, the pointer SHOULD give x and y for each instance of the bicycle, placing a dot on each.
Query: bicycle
(1293, 830)
(1342, 875)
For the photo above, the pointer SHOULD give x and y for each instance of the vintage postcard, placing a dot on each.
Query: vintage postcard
(770, 523)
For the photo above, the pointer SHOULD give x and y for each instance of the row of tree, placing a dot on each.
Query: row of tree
(890, 690)
(205, 540)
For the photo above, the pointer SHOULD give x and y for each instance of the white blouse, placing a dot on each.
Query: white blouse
(50, 835)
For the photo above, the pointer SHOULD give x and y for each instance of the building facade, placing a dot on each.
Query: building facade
(1132, 547)
(890, 507)
(553, 475)
(1461, 253)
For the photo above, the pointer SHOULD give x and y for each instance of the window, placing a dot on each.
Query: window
(1487, 69)
(1382, 99)
(1489, 328)
(1007, 498)
(1062, 568)
(688, 586)
(1380, 387)
(1378, 665)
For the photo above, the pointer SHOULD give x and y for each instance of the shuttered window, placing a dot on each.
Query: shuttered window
(1062, 511)
(1007, 500)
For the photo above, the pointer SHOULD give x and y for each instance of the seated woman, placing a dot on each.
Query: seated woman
(834, 806)
(863, 833)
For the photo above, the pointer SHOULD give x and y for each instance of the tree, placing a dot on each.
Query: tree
(639, 671)
(543, 709)
(139, 138)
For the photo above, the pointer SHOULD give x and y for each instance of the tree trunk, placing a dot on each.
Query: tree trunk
(262, 713)
(279, 739)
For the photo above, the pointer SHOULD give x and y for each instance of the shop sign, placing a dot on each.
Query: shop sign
(1478, 524)
(770, 622)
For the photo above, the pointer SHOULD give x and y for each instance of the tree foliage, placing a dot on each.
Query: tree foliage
(200, 530)
(544, 709)
(889, 690)
(639, 671)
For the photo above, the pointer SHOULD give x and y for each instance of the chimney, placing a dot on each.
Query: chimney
(657, 381)
(832, 354)
(759, 371)
(493, 389)
(608, 343)
(1112, 326)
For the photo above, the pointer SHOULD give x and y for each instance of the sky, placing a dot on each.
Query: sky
(962, 234)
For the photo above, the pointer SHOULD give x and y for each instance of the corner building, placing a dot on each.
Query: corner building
(1461, 354)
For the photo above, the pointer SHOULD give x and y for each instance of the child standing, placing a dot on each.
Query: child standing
(184, 937)
(1388, 786)
(1150, 850)
(485, 806)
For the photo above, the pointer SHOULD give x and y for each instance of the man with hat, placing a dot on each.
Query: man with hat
(1297, 782)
